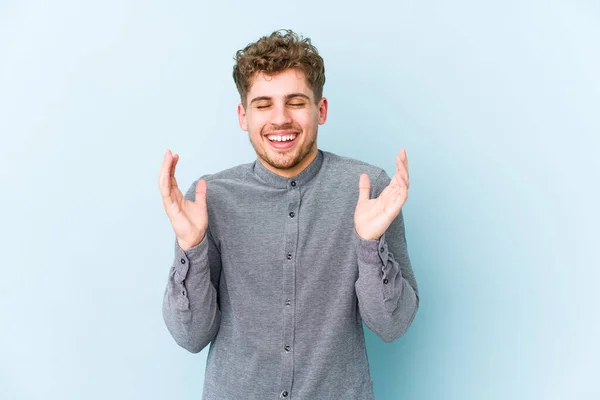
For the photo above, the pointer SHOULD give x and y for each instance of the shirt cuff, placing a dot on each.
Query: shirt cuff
(183, 258)
(373, 252)
(375, 261)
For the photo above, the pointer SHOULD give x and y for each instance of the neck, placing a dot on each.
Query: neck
(290, 172)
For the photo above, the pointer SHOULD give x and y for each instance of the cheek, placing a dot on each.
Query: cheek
(255, 125)
(306, 120)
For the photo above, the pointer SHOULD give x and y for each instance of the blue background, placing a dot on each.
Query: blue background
(497, 103)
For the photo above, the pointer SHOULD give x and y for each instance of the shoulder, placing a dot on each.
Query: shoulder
(351, 167)
(238, 172)
(221, 178)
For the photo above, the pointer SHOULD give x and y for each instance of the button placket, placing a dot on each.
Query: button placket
(288, 286)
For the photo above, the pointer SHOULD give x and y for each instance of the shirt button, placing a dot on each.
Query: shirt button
(183, 260)
(284, 394)
(289, 256)
(292, 214)
(293, 183)
(385, 281)
(287, 348)
(288, 302)
(381, 249)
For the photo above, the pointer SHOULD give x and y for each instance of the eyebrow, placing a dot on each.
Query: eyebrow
(287, 97)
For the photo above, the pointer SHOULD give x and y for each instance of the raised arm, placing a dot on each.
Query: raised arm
(190, 302)
(386, 288)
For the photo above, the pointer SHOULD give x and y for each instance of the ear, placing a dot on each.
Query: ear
(241, 111)
(323, 105)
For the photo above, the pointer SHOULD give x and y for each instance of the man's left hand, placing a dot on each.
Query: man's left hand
(372, 217)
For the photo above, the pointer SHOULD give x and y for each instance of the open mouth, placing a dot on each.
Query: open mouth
(282, 141)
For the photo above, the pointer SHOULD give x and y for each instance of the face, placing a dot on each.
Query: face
(282, 106)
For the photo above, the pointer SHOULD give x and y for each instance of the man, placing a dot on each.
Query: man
(278, 262)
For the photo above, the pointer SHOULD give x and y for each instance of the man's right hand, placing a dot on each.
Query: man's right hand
(189, 219)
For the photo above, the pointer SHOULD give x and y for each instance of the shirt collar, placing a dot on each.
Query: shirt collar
(282, 182)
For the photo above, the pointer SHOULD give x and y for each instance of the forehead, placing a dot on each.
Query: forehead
(279, 85)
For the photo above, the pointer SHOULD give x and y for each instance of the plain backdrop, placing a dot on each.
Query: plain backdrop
(496, 102)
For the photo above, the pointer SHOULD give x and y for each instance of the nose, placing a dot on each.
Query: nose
(281, 115)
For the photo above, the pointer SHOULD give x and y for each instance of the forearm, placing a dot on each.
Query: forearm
(190, 308)
(388, 300)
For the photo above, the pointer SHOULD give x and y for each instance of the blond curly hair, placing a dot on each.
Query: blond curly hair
(271, 54)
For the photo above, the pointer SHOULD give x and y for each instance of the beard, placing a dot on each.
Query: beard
(287, 159)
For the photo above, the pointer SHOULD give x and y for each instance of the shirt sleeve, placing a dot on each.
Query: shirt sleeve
(386, 288)
(190, 302)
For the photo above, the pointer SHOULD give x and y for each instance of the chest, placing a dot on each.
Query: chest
(267, 239)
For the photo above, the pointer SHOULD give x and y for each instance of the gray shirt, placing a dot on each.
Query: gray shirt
(281, 283)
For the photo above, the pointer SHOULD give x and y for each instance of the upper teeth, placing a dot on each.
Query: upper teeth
(282, 138)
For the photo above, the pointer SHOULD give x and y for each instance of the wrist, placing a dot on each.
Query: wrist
(367, 236)
(188, 245)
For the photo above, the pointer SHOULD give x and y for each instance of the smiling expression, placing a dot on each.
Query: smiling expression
(282, 106)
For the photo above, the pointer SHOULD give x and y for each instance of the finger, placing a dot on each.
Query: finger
(172, 180)
(399, 178)
(163, 180)
(176, 194)
(169, 190)
(400, 181)
(201, 188)
(364, 186)
(405, 174)
(402, 186)
(404, 159)
(175, 160)
(402, 170)
(402, 177)
(171, 172)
